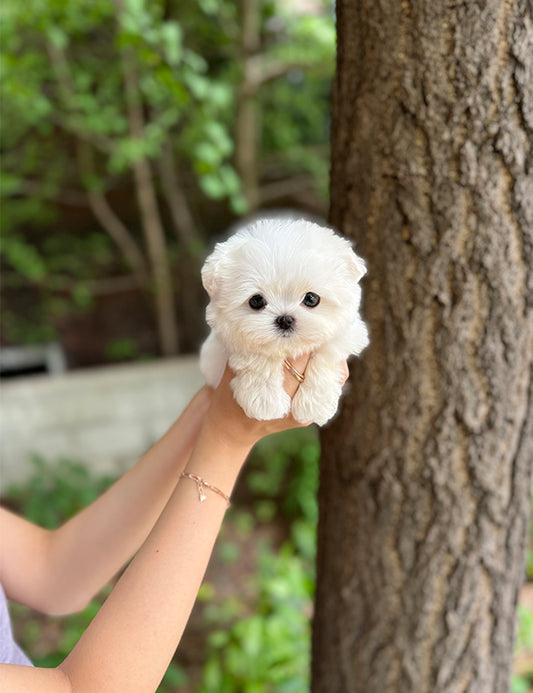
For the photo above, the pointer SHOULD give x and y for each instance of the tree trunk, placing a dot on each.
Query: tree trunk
(185, 229)
(247, 128)
(151, 220)
(426, 475)
(107, 218)
(152, 224)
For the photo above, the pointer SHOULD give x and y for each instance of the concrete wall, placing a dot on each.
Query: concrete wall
(104, 417)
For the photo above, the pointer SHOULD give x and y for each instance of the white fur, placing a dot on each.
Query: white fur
(282, 260)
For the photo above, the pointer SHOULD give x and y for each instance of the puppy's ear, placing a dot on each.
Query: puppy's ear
(216, 265)
(356, 266)
(210, 273)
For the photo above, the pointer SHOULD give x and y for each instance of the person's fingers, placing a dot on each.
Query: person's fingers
(227, 375)
(345, 373)
(294, 373)
(301, 362)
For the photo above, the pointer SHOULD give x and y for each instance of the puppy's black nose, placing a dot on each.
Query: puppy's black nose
(285, 322)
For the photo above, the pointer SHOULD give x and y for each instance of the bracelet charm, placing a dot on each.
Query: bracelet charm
(202, 484)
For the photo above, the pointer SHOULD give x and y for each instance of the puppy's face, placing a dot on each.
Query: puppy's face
(282, 291)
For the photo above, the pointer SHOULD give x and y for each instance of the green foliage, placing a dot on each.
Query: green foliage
(524, 637)
(269, 649)
(519, 684)
(174, 678)
(65, 112)
(296, 108)
(24, 258)
(66, 130)
(63, 80)
(265, 650)
(121, 349)
(285, 467)
(529, 553)
(524, 642)
(257, 647)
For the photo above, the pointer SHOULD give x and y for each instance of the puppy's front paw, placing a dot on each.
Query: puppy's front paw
(315, 405)
(261, 401)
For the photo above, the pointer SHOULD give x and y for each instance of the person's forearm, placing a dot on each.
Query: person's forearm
(149, 607)
(15, 678)
(130, 642)
(90, 548)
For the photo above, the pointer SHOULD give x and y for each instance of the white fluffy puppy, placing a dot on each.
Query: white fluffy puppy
(280, 288)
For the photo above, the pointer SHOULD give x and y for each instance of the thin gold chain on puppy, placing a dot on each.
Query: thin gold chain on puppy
(292, 370)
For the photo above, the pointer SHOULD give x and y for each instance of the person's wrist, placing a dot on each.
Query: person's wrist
(217, 458)
(235, 433)
(229, 439)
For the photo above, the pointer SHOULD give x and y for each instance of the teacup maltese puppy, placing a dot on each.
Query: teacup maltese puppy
(280, 288)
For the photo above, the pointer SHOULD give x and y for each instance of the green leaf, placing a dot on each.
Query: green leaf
(207, 153)
(198, 84)
(221, 95)
(135, 6)
(175, 676)
(230, 180)
(524, 638)
(218, 135)
(82, 296)
(171, 36)
(212, 186)
(239, 205)
(520, 685)
(24, 258)
(57, 37)
(9, 184)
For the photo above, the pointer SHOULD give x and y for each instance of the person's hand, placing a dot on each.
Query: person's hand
(345, 373)
(227, 417)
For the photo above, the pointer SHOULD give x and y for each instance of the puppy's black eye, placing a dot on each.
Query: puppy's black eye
(311, 299)
(257, 302)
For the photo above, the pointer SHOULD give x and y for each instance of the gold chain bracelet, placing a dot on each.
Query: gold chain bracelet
(201, 484)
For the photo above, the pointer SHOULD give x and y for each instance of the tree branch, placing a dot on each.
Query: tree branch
(281, 188)
(74, 198)
(119, 233)
(248, 116)
(110, 222)
(261, 69)
(67, 91)
(147, 199)
(183, 221)
(97, 201)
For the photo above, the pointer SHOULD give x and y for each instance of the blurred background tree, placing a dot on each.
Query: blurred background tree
(195, 114)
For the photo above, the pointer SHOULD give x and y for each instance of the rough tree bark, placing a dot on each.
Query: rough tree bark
(426, 475)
